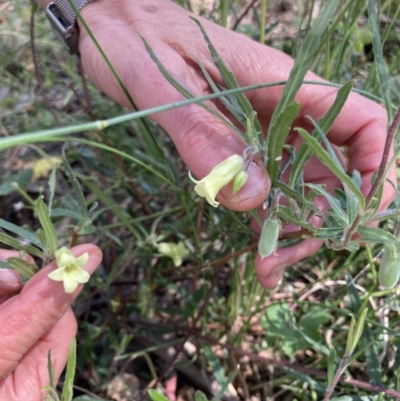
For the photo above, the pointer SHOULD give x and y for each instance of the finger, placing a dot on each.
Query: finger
(41, 303)
(202, 139)
(270, 269)
(23, 386)
(10, 280)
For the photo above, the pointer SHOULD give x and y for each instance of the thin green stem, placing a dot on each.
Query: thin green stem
(263, 19)
(44, 135)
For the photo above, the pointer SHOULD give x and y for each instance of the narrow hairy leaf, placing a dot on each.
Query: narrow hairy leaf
(371, 354)
(27, 235)
(331, 365)
(230, 102)
(374, 234)
(52, 188)
(325, 123)
(23, 267)
(378, 56)
(14, 243)
(325, 159)
(305, 57)
(50, 370)
(228, 76)
(47, 225)
(78, 193)
(67, 392)
(334, 203)
(277, 137)
(328, 233)
(185, 92)
(287, 215)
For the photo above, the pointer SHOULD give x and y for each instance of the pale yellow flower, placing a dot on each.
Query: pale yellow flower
(219, 176)
(70, 269)
(177, 252)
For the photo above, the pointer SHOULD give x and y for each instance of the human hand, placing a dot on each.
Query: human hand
(202, 140)
(36, 320)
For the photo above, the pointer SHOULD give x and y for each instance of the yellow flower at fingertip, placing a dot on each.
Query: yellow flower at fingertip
(70, 269)
(219, 176)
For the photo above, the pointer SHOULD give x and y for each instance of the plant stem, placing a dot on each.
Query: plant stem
(335, 379)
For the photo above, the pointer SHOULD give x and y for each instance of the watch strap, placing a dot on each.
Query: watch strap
(63, 20)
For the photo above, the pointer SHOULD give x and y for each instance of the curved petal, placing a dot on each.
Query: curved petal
(69, 284)
(57, 275)
(82, 260)
(80, 276)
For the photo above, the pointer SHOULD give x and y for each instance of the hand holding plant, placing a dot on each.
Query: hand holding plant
(39, 318)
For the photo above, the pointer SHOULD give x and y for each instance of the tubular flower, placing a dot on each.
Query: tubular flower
(70, 269)
(219, 176)
(177, 252)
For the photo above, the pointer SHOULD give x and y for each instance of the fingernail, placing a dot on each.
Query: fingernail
(258, 182)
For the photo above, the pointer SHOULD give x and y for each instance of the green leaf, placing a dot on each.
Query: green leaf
(312, 320)
(50, 370)
(52, 187)
(280, 328)
(355, 331)
(339, 213)
(371, 355)
(288, 216)
(325, 159)
(23, 267)
(77, 189)
(23, 178)
(67, 392)
(4, 265)
(200, 396)
(228, 77)
(156, 396)
(305, 57)
(230, 102)
(325, 123)
(14, 243)
(328, 233)
(352, 207)
(48, 227)
(277, 137)
(331, 365)
(374, 234)
(181, 89)
(215, 365)
(378, 55)
(28, 235)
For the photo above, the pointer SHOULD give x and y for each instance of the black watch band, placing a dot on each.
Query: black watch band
(63, 20)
